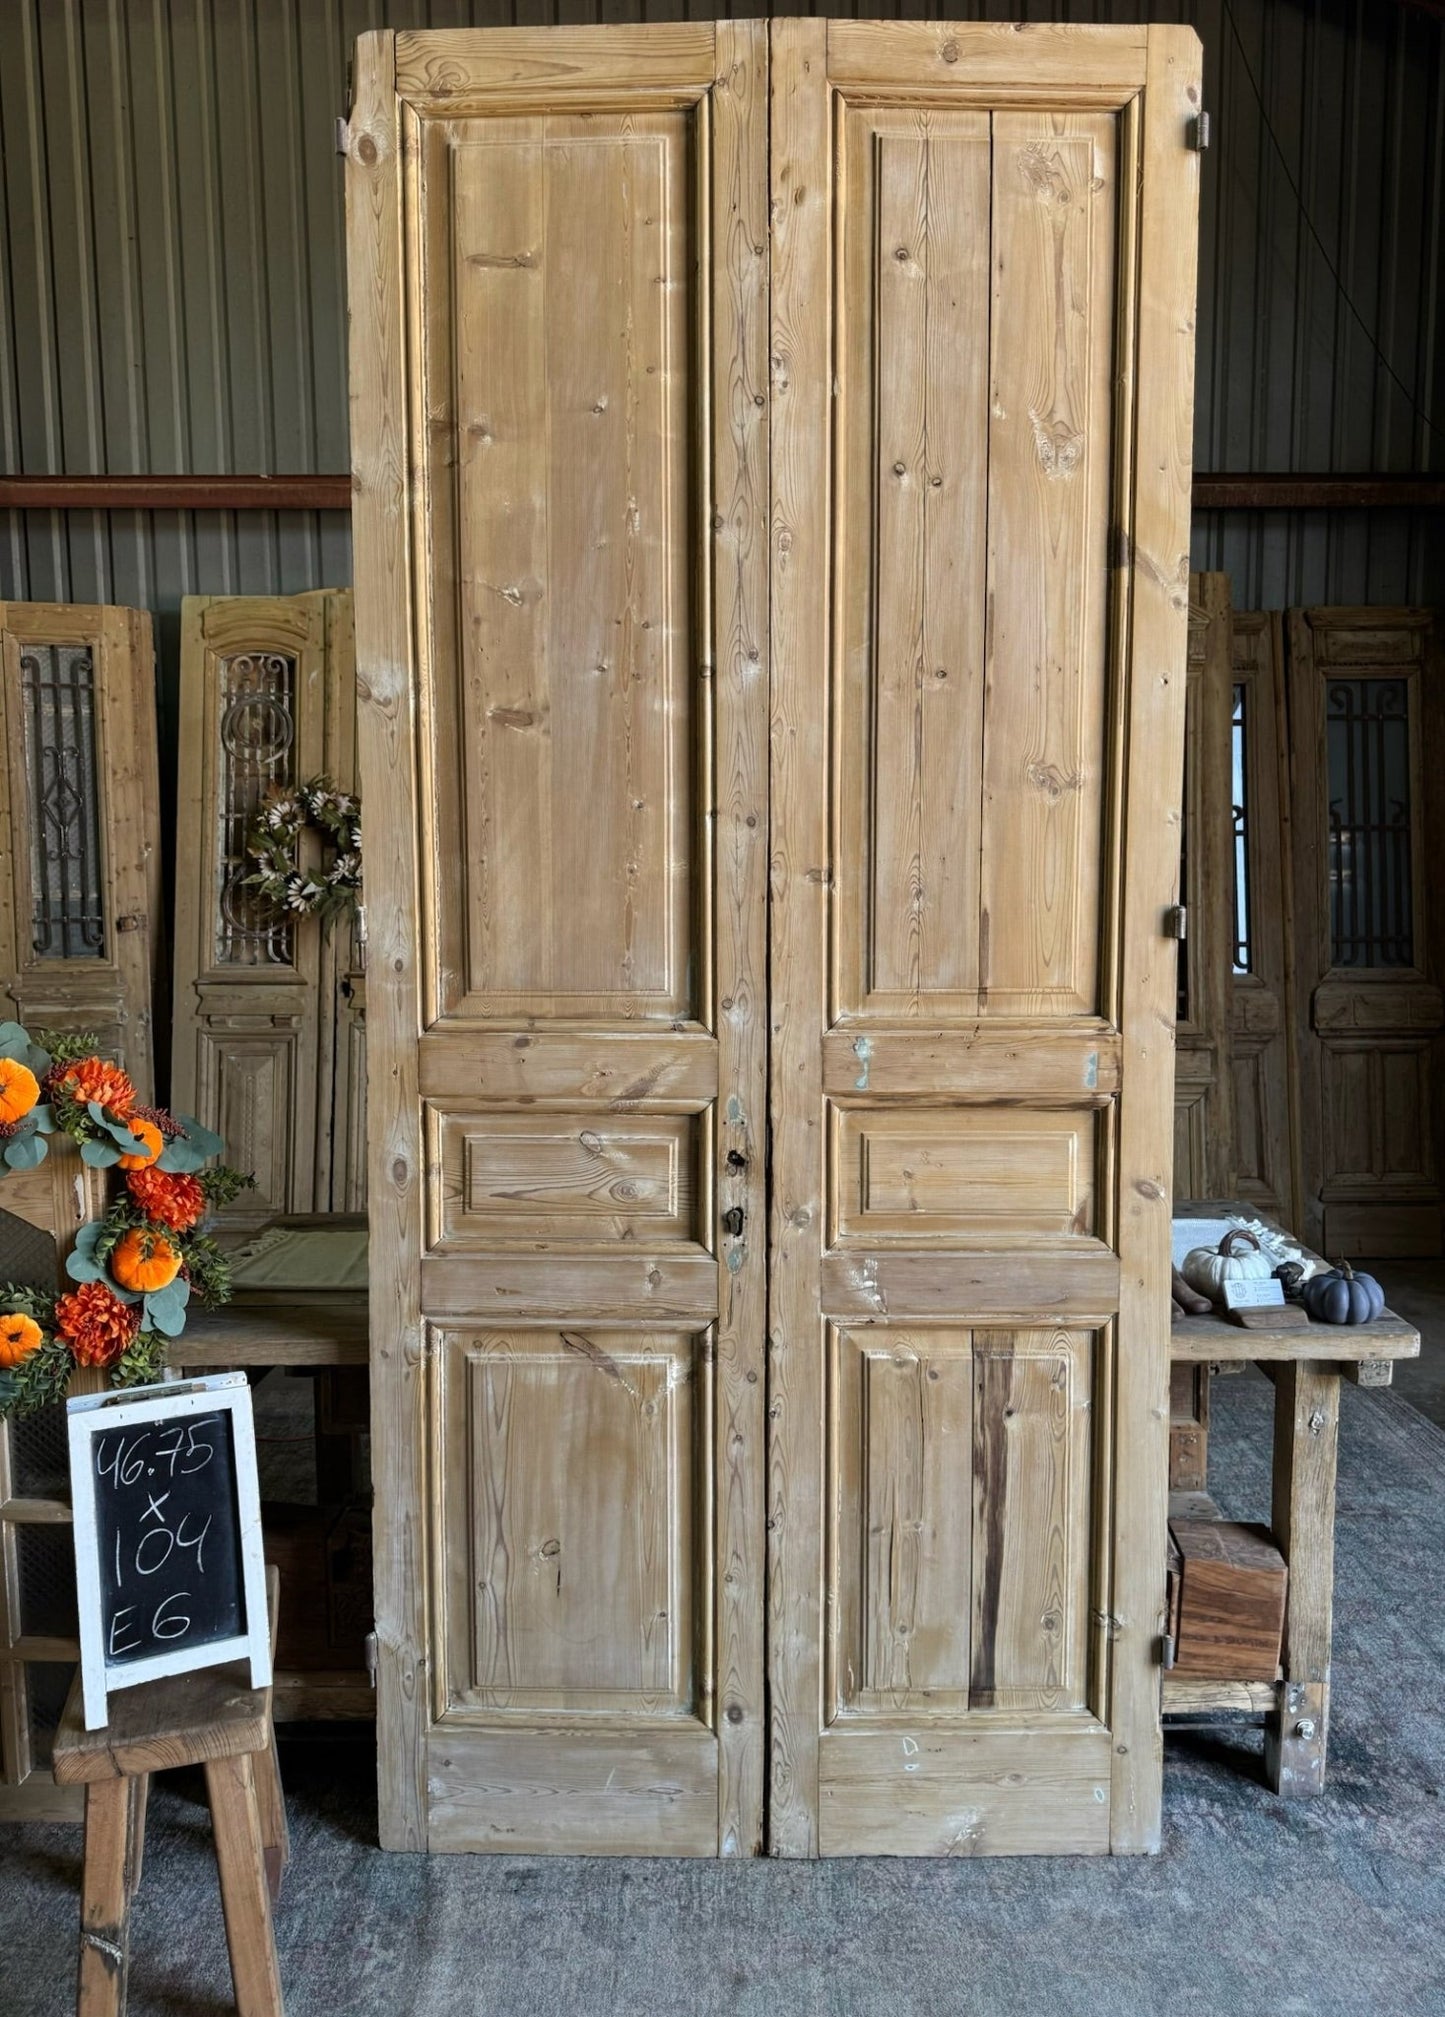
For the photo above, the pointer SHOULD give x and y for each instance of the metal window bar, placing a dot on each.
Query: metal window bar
(57, 684)
(1239, 765)
(257, 735)
(1370, 869)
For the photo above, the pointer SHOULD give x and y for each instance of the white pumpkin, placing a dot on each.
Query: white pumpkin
(1209, 1268)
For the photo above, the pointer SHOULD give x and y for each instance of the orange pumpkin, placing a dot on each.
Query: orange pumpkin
(144, 1259)
(19, 1337)
(19, 1090)
(150, 1142)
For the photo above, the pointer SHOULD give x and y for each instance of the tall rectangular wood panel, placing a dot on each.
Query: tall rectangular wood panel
(81, 937)
(269, 1032)
(559, 384)
(1367, 725)
(983, 279)
(960, 584)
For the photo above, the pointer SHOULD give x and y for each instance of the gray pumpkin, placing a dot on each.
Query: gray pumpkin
(1343, 1297)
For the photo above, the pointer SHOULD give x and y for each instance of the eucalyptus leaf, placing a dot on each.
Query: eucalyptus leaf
(200, 1137)
(81, 1268)
(99, 1155)
(88, 1238)
(44, 1119)
(25, 1152)
(15, 1045)
(170, 1320)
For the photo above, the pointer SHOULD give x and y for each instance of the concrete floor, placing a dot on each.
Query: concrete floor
(1415, 1290)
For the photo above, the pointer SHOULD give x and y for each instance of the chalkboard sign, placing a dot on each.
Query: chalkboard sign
(168, 1557)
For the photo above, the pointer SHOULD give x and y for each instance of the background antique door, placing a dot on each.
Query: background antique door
(1367, 725)
(984, 239)
(80, 858)
(559, 387)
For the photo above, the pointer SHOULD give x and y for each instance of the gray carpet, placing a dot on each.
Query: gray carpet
(1255, 1906)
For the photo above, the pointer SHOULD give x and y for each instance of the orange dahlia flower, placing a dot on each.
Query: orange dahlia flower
(98, 1079)
(149, 1143)
(96, 1324)
(19, 1090)
(19, 1336)
(172, 1200)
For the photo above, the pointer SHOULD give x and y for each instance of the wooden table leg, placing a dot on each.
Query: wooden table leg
(140, 1792)
(245, 1899)
(105, 1898)
(271, 1807)
(1306, 1441)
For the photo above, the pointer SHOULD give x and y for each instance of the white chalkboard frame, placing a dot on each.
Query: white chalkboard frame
(89, 1415)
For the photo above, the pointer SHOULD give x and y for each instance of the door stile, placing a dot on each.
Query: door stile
(386, 745)
(736, 620)
(1157, 646)
(801, 168)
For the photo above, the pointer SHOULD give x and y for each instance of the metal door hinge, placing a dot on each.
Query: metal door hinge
(361, 938)
(1176, 921)
(1166, 1650)
(368, 1653)
(343, 135)
(1199, 132)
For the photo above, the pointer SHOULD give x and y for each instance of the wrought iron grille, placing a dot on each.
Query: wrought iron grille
(57, 683)
(1238, 745)
(1371, 904)
(258, 735)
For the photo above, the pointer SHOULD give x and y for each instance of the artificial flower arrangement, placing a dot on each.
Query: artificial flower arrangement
(136, 1269)
(331, 891)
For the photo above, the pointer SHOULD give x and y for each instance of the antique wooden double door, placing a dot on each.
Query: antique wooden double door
(771, 453)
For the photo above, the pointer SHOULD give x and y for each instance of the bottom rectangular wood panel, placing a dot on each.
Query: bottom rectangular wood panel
(914, 1792)
(585, 1793)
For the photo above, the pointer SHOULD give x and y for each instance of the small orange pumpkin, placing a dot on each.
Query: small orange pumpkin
(19, 1337)
(145, 1260)
(19, 1090)
(150, 1142)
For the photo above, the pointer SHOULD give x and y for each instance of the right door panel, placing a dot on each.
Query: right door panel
(984, 247)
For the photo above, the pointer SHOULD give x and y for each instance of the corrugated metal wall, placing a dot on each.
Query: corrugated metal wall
(172, 280)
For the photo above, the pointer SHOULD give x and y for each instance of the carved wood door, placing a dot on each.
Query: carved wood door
(267, 1041)
(80, 911)
(920, 1375)
(983, 289)
(559, 396)
(1367, 725)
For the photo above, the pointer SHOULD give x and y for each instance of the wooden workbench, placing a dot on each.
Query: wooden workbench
(1306, 1367)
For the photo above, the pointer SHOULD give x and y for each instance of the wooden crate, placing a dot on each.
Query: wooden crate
(1227, 1601)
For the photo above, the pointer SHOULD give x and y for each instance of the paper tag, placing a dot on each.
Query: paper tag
(1253, 1295)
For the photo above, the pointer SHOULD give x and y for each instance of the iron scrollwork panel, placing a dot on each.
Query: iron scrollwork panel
(257, 746)
(67, 876)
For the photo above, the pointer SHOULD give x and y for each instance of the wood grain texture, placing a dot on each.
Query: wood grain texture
(109, 990)
(919, 1791)
(245, 1899)
(954, 1174)
(1156, 587)
(584, 716)
(106, 1888)
(801, 858)
(1306, 1451)
(386, 757)
(914, 429)
(997, 62)
(1054, 196)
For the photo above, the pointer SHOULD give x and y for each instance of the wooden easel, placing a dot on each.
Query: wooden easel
(212, 1719)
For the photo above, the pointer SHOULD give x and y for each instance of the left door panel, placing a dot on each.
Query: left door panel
(559, 400)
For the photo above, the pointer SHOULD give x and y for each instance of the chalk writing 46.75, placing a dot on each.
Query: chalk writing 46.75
(154, 1530)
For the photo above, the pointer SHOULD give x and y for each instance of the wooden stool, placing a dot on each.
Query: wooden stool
(211, 1718)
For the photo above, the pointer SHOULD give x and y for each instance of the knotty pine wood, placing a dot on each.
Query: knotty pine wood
(852, 933)
(609, 806)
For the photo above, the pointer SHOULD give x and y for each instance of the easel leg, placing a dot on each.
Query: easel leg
(245, 1899)
(105, 1899)
(1306, 1443)
(271, 1807)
